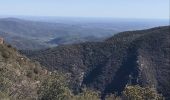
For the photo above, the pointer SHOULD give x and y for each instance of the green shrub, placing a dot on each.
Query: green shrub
(30, 74)
(54, 88)
(112, 97)
(141, 93)
(5, 54)
(9, 46)
(37, 69)
(87, 94)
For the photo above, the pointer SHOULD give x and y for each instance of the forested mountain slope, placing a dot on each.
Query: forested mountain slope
(133, 57)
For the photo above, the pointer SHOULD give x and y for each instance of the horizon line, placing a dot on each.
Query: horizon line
(83, 17)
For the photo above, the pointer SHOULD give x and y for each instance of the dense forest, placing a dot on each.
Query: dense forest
(128, 58)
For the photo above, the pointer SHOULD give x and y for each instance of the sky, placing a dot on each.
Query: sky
(147, 9)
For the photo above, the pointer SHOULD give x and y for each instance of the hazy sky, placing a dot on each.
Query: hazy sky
(158, 9)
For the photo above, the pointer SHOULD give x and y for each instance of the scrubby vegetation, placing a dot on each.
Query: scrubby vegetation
(18, 81)
(140, 93)
(55, 87)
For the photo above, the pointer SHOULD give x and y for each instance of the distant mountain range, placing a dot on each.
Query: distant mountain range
(28, 34)
(131, 57)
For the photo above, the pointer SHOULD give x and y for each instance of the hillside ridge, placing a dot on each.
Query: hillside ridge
(133, 57)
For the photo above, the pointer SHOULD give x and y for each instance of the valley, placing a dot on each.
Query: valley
(24, 33)
(84, 49)
(132, 57)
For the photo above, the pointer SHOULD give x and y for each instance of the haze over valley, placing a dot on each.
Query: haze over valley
(33, 33)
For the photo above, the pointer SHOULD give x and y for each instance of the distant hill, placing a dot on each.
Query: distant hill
(27, 34)
(132, 57)
(24, 34)
(22, 42)
(75, 39)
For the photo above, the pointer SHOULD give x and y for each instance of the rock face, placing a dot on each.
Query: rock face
(134, 57)
(1, 40)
